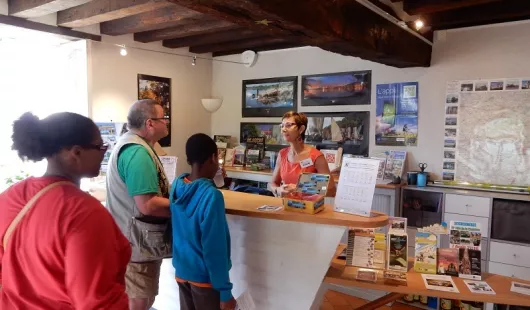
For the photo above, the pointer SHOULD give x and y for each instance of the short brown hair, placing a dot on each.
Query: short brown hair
(299, 118)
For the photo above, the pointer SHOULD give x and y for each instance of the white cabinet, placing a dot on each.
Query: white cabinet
(511, 254)
(468, 205)
(509, 270)
(483, 221)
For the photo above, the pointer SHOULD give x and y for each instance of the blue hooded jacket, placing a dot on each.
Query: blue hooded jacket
(201, 240)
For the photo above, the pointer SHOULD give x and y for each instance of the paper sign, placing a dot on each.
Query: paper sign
(356, 186)
(170, 167)
(245, 302)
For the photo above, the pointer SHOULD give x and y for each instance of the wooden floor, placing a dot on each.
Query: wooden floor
(338, 301)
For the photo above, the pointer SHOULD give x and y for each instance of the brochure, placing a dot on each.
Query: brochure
(361, 248)
(397, 224)
(521, 288)
(465, 235)
(439, 283)
(425, 253)
(470, 264)
(448, 262)
(397, 254)
(479, 287)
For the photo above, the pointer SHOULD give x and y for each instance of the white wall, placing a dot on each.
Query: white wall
(488, 52)
(113, 87)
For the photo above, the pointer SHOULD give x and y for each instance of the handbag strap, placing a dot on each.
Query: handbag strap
(26, 208)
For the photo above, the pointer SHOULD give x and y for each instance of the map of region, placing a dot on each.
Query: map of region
(493, 138)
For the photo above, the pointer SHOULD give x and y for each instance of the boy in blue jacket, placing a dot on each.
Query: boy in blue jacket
(201, 240)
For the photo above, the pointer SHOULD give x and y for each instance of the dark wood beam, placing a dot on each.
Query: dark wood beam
(36, 8)
(99, 11)
(237, 44)
(418, 7)
(23, 23)
(199, 27)
(279, 46)
(210, 38)
(490, 13)
(340, 26)
(158, 19)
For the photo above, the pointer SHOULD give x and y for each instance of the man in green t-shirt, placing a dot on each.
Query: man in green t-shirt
(137, 188)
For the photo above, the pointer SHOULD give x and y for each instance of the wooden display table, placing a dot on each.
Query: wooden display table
(339, 274)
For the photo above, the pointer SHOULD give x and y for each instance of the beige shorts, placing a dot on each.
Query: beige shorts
(141, 279)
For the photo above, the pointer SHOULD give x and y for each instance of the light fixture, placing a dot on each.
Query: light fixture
(194, 61)
(123, 51)
(418, 24)
(212, 104)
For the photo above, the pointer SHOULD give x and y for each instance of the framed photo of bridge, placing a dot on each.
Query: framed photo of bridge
(270, 97)
(331, 89)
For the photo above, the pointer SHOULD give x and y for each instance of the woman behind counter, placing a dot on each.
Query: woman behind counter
(297, 158)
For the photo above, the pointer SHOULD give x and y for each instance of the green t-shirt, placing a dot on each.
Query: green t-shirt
(137, 170)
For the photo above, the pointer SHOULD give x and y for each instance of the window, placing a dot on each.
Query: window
(41, 73)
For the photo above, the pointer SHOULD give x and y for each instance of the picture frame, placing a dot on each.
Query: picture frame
(341, 88)
(158, 89)
(270, 97)
(349, 130)
(271, 131)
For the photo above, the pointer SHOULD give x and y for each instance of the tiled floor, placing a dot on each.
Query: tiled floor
(338, 301)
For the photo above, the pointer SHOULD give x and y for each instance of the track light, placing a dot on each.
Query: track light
(194, 61)
(418, 24)
(123, 51)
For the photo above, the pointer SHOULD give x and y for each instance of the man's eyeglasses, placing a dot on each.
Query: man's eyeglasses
(101, 147)
(165, 118)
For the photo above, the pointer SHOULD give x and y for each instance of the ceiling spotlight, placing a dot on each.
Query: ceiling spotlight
(194, 61)
(418, 24)
(123, 51)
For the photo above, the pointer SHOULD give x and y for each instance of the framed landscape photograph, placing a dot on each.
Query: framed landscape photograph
(345, 88)
(348, 130)
(269, 97)
(158, 89)
(271, 131)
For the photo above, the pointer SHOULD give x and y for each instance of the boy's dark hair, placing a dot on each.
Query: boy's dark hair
(199, 148)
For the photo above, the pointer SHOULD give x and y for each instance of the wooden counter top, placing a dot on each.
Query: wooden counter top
(243, 204)
(269, 172)
(339, 274)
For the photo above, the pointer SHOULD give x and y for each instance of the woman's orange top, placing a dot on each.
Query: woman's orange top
(289, 172)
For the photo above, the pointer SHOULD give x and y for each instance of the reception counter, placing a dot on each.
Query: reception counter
(386, 197)
(280, 257)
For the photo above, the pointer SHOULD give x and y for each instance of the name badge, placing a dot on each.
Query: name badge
(308, 162)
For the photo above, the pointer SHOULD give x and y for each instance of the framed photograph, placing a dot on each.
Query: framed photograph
(158, 89)
(349, 130)
(269, 97)
(343, 88)
(271, 131)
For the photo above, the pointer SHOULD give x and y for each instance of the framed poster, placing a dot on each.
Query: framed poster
(271, 131)
(269, 97)
(397, 114)
(348, 130)
(344, 88)
(158, 89)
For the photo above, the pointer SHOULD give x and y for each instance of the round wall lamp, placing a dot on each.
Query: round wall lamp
(212, 104)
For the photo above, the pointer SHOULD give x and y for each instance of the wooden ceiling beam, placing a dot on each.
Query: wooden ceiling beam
(99, 11)
(490, 13)
(278, 46)
(27, 24)
(195, 28)
(418, 7)
(210, 38)
(237, 45)
(166, 17)
(37, 8)
(345, 26)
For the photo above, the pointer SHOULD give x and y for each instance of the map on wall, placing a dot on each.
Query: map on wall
(487, 132)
